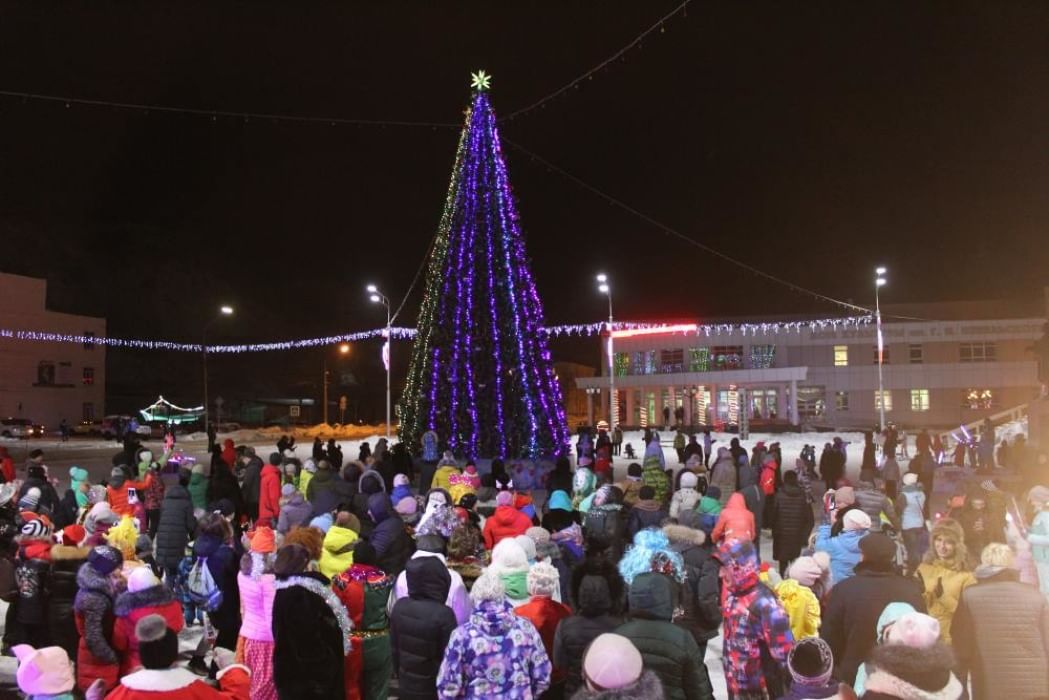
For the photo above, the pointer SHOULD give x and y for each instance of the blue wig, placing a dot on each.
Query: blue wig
(651, 552)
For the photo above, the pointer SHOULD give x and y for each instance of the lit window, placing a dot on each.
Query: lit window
(88, 375)
(977, 352)
(841, 400)
(978, 399)
(884, 354)
(671, 361)
(879, 396)
(841, 355)
(917, 354)
(762, 356)
(699, 359)
(727, 356)
(919, 399)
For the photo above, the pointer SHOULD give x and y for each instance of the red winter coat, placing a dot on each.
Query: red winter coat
(767, 482)
(132, 607)
(504, 522)
(735, 522)
(269, 494)
(545, 613)
(178, 683)
(118, 499)
(229, 453)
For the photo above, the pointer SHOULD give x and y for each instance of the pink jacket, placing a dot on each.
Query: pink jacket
(256, 604)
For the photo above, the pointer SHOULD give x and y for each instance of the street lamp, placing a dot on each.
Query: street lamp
(604, 288)
(378, 297)
(344, 349)
(224, 310)
(879, 282)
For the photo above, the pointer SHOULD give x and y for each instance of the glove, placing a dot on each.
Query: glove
(96, 691)
(224, 657)
(938, 591)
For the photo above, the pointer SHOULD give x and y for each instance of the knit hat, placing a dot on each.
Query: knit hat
(508, 555)
(141, 579)
(543, 579)
(916, 630)
(612, 661)
(275, 459)
(100, 513)
(877, 547)
(559, 500)
(34, 525)
(634, 471)
(504, 498)
(856, 519)
(73, 535)
(407, 506)
(145, 456)
(322, 522)
(401, 480)
(810, 661)
(689, 480)
(263, 540)
(105, 559)
(30, 499)
(46, 671)
(287, 490)
(157, 643)
(538, 535)
(805, 571)
(528, 545)
(845, 496)
(197, 469)
(488, 586)
(77, 474)
(910, 479)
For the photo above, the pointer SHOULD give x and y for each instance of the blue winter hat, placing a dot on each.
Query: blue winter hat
(559, 500)
(322, 522)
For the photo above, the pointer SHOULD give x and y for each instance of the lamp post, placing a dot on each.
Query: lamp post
(879, 282)
(344, 349)
(604, 288)
(378, 297)
(223, 311)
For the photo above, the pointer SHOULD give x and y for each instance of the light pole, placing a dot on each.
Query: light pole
(344, 349)
(223, 311)
(879, 282)
(378, 297)
(604, 288)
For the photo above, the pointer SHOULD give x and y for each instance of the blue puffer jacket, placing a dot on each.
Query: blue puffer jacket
(844, 551)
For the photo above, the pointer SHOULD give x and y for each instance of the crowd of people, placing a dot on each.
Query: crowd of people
(426, 578)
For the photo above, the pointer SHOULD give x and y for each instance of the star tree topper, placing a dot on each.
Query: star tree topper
(480, 80)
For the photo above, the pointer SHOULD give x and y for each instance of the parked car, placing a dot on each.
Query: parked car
(88, 427)
(115, 425)
(20, 428)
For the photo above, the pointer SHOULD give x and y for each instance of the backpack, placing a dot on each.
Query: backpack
(201, 587)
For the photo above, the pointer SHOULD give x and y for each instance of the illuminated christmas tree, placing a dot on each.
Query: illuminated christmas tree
(480, 373)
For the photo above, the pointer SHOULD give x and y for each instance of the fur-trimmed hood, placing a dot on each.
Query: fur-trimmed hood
(62, 552)
(680, 534)
(647, 687)
(151, 597)
(914, 674)
(87, 579)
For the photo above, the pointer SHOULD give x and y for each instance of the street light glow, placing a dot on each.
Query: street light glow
(372, 288)
(603, 289)
(602, 277)
(376, 298)
(880, 271)
(227, 310)
(344, 348)
(880, 281)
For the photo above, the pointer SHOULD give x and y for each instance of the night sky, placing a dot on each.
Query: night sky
(813, 140)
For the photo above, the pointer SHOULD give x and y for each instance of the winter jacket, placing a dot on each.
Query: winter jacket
(198, 490)
(608, 522)
(631, 491)
(256, 604)
(295, 512)
(546, 614)
(874, 503)
(495, 655)
(844, 551)
(791, 523)
(33, 580)
(645, 514)
(364, 592)
(93, 613)
(684, 500)
(943, 583)
(652, 474)
(723, 474)
(596, 591)
(507, 521)
(177, 683)
(249, 486)
(647, 687)
(1000, 635)
(668, 651)
(802, 606)
(910, 673)
(132, 607)
(442, 477)
(912, 506)
(337, 551)
(1038, 536)
(392, 544)
(49, 499)
(65, 566)
(118, 495)
(756, 633)
(851, 615)
(458, 598)
(420, 626)
(175, 528)
(222, 485)
(269, 494)
(700, 594)
(308, 639)
(735, 521)
(223, 566)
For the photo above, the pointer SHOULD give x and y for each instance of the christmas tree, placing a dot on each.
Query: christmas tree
(480, 374)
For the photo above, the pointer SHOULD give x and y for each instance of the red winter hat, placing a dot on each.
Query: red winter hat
(262, 540)
(73, 535)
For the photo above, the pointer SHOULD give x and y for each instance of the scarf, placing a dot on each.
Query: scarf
(328, 596)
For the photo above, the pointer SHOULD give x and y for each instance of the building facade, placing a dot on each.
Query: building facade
(940, 373)
(48, 381)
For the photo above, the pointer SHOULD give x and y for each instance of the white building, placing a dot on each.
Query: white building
(48, 381)
(978, 359)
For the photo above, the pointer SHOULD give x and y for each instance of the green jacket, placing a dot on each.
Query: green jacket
(198, 491)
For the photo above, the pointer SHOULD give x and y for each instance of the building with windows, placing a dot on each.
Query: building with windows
(47, 381)
(973, 360)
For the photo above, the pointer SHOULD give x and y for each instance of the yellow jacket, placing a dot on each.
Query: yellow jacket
(802, 607)
(942, 607)
(304, 480)
(441, 477)
(337, 552)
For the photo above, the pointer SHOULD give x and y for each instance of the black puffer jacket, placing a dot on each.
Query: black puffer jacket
(392, 544)
(420, 626)
(49, 499)
(874, 503)
(700, 601)
(609, 523)
(65, 564)
(596, 586)
(175, 528)
(791, 522)
(223, 564)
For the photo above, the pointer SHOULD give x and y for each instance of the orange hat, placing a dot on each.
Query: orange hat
(73, 535)
(262, 540)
